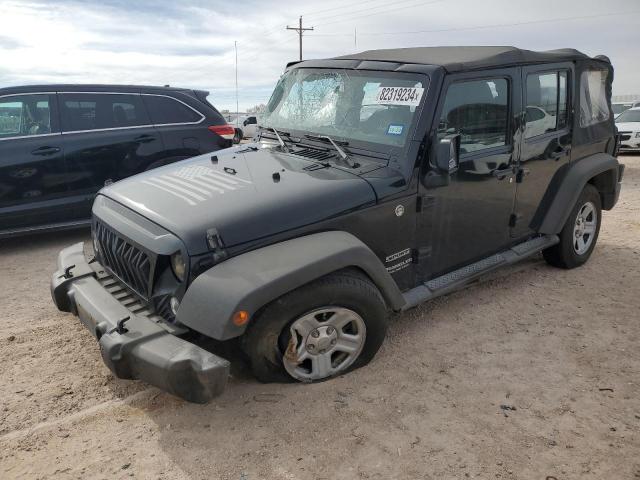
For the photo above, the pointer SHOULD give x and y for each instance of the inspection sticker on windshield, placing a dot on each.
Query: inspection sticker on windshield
(395, 129)
(399, 96)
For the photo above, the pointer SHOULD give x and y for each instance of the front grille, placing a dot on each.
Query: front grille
(127, 262)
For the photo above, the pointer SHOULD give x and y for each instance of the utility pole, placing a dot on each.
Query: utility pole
(300, 30)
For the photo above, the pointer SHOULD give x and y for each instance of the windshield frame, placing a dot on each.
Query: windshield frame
(354, 145)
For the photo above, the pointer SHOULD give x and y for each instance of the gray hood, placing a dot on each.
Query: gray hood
(249, 193)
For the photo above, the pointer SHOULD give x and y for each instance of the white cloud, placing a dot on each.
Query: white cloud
(190, 43)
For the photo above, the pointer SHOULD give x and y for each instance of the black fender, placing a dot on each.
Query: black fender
(251, 280)
(601, 169)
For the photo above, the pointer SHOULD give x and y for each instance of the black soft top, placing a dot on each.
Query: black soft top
(455, 59)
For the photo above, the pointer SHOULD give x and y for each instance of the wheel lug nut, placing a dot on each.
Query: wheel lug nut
(329, 330)
(333, 342)
(315, 333)
(311, 346)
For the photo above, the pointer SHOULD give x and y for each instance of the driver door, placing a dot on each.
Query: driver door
(466, 216)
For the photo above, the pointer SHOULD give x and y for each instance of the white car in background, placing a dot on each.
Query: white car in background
(539, 121)
(249, 126)
(628, 124)
(246, 125)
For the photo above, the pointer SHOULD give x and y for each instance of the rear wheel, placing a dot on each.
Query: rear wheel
(323, 329)
(237, 137)
(579, 234)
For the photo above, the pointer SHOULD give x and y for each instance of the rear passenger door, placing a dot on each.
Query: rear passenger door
(180, 125)
(107, 137)
(546, 139)
(32, 170)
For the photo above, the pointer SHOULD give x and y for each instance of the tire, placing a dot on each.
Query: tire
(571, 252)
(348, 294)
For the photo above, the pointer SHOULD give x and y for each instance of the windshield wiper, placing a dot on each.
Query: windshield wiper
(347, 159)
(283, 145)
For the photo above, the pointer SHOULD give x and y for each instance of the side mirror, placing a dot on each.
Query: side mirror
(448, 154)
(245, 123)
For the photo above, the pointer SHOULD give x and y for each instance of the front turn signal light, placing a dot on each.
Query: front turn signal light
(240, 318)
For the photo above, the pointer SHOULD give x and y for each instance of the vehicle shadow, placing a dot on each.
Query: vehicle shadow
(43, 241)
(252, 425)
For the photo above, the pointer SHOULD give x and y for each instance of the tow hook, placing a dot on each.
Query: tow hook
(67, 272)
(120, 328)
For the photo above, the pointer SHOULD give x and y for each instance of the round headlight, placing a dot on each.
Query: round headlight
(178, 266)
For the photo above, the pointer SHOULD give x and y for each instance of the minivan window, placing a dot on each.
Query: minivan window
(166, 110)
(24, 115)
(96, 111)
(546, 99)
(593, 97)
(477, 110)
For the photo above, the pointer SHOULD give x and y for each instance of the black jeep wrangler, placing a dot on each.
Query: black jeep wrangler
(377, 181)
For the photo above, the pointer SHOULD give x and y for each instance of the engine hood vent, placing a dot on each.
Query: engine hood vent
(314, 153)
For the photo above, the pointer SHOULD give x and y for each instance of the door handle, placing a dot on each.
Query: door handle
(560, 152)
(503, 173)
(144, 139)
(45, 151)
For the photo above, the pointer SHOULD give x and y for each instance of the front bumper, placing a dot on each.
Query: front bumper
(140, 348)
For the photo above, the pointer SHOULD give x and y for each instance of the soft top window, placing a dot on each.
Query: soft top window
(593, 99)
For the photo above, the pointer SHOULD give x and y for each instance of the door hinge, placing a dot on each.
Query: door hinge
(424, 202)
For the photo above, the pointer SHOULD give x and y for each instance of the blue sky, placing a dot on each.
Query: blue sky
(190, 43)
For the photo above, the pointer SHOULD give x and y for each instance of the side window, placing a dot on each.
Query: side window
(546, 103)
(478, 110)
(251, 121)
(24, 115)
(95, 111)
(593, 97)
(166, 110)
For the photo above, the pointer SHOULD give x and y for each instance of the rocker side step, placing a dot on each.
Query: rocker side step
(459, 278)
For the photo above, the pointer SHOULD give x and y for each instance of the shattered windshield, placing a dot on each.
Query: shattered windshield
(349, 105)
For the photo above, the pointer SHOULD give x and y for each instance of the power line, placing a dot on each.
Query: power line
(308, 14)
(479, 27)
(348, 17)
(344, 10)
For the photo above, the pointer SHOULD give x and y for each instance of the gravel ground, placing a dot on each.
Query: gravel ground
(558, 349)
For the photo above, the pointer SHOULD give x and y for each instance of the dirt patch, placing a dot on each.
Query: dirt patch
(529, 374)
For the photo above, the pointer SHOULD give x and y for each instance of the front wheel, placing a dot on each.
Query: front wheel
(326, 328)
(580, 232)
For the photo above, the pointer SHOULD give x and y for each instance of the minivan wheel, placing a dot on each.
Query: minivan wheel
(580, 232)
(323, 329)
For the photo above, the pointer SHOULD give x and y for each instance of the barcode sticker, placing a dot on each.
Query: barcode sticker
(409, 96)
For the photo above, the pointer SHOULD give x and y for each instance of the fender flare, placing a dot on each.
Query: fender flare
(568, 183)
(251, 280)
